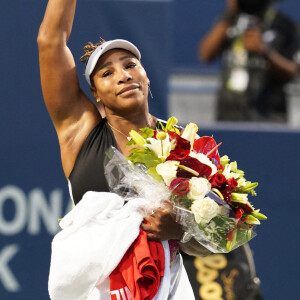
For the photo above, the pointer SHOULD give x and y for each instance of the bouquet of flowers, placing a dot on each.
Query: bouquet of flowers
(209, 193)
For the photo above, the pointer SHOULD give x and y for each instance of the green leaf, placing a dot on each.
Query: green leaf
(217, 230)
(131, 142)
(144, 156)
(147, 132)
(182, 201)
(152, 171)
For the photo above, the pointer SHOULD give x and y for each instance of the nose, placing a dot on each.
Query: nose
(124, 76)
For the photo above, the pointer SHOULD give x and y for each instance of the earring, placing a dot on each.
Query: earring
(98, 100)
(150, 91)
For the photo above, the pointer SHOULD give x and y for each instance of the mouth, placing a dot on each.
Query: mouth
(128, 89)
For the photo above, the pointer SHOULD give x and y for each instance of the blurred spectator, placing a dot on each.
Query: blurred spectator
(260, 49)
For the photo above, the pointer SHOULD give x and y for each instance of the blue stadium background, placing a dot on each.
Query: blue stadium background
(33, 190)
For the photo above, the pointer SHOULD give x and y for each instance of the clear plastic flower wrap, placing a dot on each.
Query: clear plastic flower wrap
(212, 223)
(209, 220)
(132, 181)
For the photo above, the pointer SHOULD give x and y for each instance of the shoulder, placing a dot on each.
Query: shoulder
(73, 138)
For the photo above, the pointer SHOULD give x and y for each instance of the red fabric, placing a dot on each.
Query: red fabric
(140, 270)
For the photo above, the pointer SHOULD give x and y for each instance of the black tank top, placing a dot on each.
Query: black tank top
(88, 171)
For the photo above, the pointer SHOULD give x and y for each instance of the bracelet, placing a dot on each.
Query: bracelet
(185, 237)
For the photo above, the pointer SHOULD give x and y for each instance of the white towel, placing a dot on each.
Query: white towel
(95, 236)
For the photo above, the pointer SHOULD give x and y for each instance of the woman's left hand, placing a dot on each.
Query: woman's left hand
(161, 226)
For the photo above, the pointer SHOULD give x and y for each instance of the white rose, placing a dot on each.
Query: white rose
(167, 170)
(205, 160)
(199, 187)
(204, 210)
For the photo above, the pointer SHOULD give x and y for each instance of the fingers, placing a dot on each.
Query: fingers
(146, 227)
(152, 237)
(161, 226)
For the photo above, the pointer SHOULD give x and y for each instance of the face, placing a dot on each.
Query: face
(120, 81)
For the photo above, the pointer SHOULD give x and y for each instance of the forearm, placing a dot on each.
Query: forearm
(213, 42)
(57, 23)
(281, 67)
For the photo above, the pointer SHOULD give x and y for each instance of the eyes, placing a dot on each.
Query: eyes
(129, 65)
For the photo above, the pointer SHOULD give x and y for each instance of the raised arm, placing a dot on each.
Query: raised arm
(212, 44)
(72, 113)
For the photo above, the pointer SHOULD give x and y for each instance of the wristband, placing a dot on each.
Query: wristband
(185, 237)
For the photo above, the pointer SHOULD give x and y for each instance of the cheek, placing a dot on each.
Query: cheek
(104, 89)
(144, 81)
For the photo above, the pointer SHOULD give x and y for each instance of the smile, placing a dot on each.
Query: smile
(128, 88)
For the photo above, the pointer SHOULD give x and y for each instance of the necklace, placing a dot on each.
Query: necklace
(119, 131)
(112, 127)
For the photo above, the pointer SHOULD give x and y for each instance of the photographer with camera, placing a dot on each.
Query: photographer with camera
(260, 49)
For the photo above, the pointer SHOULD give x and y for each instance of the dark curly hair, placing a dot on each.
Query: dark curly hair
(88, 49)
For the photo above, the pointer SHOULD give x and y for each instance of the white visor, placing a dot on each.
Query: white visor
(113, 44)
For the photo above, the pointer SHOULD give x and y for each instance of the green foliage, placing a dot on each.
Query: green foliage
(152, 172)
(145, 157)
(147, 132)
(183, 201)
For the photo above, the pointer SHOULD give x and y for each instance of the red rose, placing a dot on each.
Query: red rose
(178, 154)
(232, 182)
(217, 180)
(179, 186)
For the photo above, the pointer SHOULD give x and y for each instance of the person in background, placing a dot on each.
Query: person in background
(260, 49)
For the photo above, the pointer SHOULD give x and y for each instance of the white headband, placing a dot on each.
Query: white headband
(113, 44)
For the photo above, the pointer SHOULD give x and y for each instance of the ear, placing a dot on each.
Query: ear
(95, 94)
